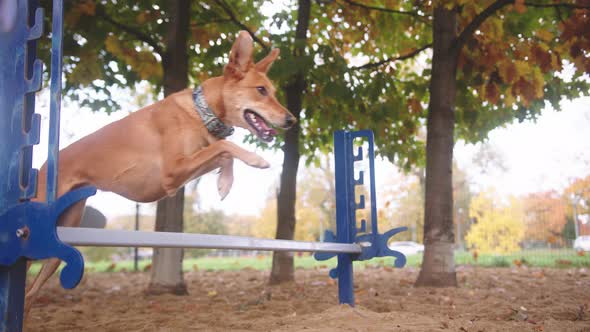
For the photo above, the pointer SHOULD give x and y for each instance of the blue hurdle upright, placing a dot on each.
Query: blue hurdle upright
(28, 229)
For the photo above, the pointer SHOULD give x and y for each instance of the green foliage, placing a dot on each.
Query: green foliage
(500, 262)
(109, 46)
(338, 96)
(506, 71)
(353, 81)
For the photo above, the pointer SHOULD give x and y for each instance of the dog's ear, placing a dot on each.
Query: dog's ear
(240, 57)
(264, 64)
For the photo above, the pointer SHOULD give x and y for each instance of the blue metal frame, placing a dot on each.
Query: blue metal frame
(57, 28)
(373, 243)
(27, 229)
(20, 78)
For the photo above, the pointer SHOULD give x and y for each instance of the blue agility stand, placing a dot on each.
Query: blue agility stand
(27, 229)
(372, 243)
(20, 77)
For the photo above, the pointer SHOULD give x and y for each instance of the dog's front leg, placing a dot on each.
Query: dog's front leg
(180, 169)
(226, 175)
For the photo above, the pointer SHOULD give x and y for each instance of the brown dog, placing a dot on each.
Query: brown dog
(156, 150)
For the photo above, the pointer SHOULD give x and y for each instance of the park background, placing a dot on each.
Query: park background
(516, 140)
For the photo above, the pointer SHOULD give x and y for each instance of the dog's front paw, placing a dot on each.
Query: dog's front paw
(224, 183)
(255, 160)
(171, 192)
(263, 164)
(169, 186)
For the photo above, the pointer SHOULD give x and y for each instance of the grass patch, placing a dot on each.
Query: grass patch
(558, 258)
(534, 258)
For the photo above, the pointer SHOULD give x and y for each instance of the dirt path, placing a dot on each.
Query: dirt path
(519, 299)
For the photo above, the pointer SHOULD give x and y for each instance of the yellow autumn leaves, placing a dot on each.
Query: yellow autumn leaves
(499, 226)
(77, 11)
(139, 59)
(513, 68)
(143, 62)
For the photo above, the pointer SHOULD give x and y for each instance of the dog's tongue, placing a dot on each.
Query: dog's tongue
(266, 129)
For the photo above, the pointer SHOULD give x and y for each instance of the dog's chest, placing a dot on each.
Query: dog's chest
(193, 139)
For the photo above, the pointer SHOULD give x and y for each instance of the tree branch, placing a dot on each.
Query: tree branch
(214, 21)
(477, 21)
(494, 7)
(227, 9)
(392, 59)
(383, 9)
(100, 12)
(556, 5)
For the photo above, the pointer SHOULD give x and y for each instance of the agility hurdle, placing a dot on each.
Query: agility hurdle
(28, 229)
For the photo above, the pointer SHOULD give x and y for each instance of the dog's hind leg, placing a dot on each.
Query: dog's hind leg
(71, 218)
(47, 269)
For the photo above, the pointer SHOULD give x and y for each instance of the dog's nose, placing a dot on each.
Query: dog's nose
(289, 121)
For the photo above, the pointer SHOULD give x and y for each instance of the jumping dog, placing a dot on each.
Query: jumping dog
(154, 151)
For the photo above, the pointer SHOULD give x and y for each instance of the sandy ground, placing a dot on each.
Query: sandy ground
(499, 299)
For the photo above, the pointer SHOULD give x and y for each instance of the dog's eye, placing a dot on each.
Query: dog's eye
(262, 90)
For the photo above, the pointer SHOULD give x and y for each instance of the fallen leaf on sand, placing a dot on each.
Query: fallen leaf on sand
(519, 315)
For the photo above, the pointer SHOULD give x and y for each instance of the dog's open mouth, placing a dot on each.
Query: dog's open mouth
(261, 127)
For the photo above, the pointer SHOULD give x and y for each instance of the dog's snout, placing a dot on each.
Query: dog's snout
(289, 121)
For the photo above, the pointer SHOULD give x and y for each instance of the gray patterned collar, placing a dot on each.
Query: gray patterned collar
(215, 126)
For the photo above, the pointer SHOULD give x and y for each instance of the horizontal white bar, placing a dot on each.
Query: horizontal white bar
(93, 237)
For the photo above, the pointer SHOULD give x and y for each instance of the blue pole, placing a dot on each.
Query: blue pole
(55, 100)
(12, 291)
(345, 227)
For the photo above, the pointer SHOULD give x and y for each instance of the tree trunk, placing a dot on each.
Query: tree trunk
(167, 274)
(282, 262)
(438, 266)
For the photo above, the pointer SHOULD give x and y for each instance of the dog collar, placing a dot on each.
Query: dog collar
(214, 125)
